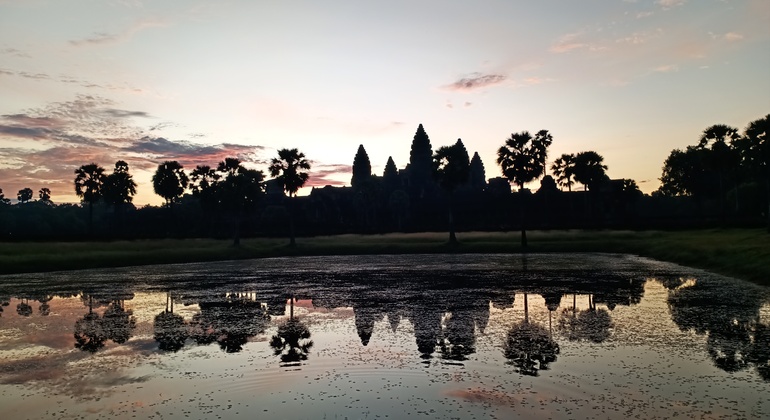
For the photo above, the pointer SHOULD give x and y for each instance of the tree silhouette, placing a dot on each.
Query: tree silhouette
(522, 160)
(170, 181)
(288, 168)
(451, 169)
(684, 173)
(3, 200)
(89, 180)
(238, 190)
(588, 168)
(362, 168)
(45, 195)
(722, 157)
(563, 169)
(119, 188)
(755, 153)
(25, 195)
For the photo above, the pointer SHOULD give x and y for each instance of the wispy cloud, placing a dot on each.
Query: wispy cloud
(99, 38)
(573, 41)
(667, 4)
(475, 81)
(14, 52)
(733, 36)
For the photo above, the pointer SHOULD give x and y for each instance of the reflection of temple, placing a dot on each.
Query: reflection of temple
(446, 311)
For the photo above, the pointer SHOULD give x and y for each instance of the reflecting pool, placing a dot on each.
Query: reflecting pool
(421, 336)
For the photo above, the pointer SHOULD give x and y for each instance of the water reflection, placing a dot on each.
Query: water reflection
(736, 339)
(446, 312)
(292, 341)
(528, 346)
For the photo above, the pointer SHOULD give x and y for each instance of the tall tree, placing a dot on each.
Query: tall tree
(3, 200)
(684, 173)
(451, 169)
(420, 162)
(45, 195)
(170, 181)
(477, 178)
(362, 168)
(723, 158)
(119, 186)
(238, 190)
(588, 168)
(564, 170)
(522, 160)
(755, 153)
(25, 195)
(89, 180)
(288, 168)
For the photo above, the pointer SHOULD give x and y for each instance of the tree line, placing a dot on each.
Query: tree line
(723, 179)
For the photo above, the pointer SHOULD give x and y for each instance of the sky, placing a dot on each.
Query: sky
(144, 81)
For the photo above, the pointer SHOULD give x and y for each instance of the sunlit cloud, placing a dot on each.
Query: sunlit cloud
(667, 68)
(733, 36)
(324, 174)
(475, 81)
(642, 15)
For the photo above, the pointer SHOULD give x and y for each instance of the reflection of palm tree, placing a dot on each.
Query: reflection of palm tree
(292, 341)
(529, 347)
(89, 331)
(23, 308)
(591, 324)
(118, 323)
(170, 328)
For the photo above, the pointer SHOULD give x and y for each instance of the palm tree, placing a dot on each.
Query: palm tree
(238, 189)
(288, 168)
(451, 168)
(588, 168)
(89, 180)
(119, 187)
(45, 195)
(755, 147)
(170, 181)
(724, 155)
(564, 170)
(522, 160)
(25, 195)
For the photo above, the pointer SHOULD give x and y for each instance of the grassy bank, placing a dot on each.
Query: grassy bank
(742, 253)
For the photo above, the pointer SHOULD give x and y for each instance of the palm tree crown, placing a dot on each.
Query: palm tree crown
(287, 168)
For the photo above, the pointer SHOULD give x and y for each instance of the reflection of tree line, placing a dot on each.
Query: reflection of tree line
(446, 315)
(729, 317)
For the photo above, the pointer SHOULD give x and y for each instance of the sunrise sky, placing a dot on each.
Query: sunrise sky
(196, 81)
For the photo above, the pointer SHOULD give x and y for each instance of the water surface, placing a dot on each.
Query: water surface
(432, 336)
